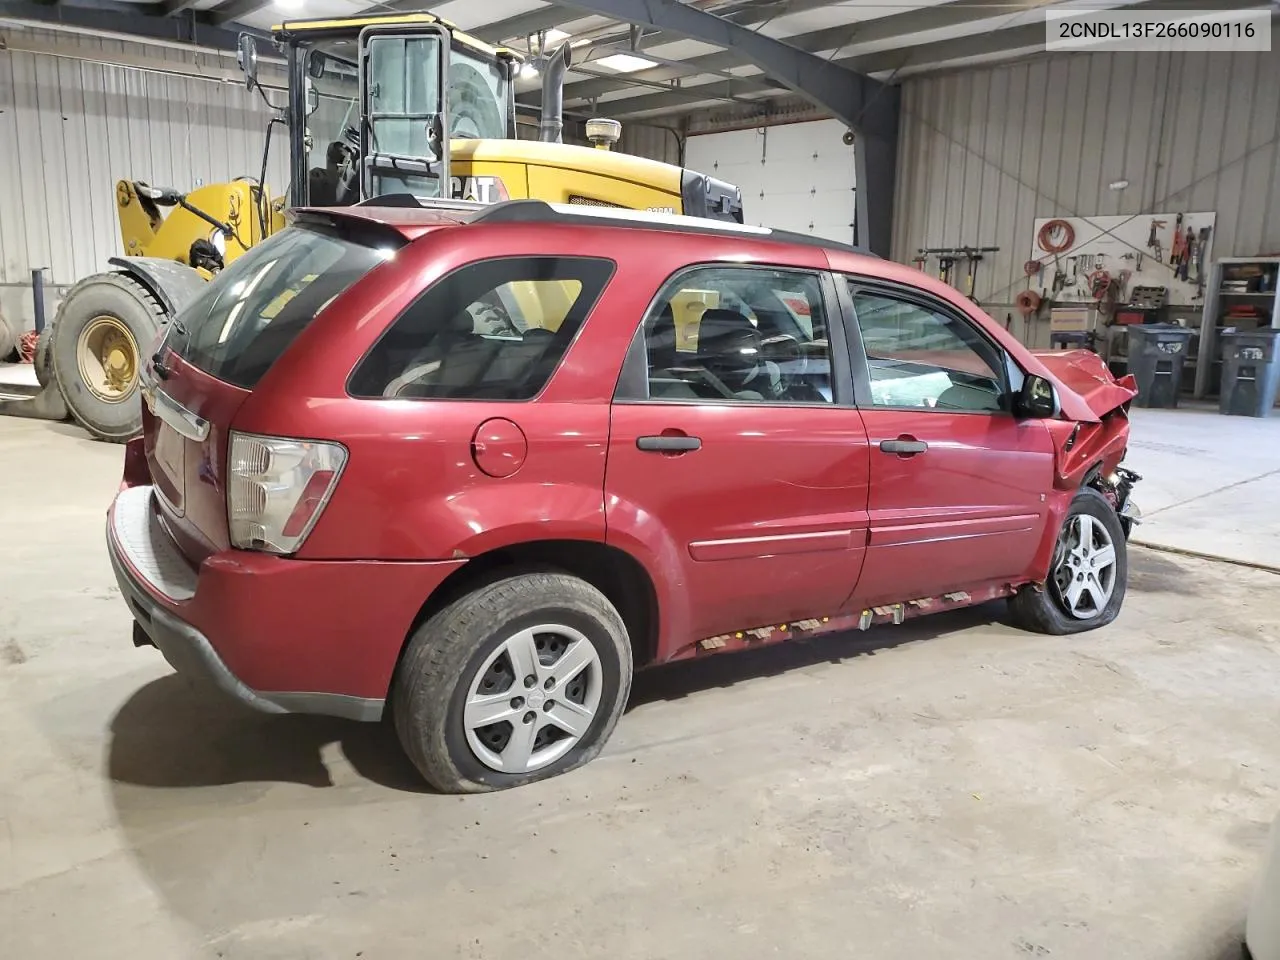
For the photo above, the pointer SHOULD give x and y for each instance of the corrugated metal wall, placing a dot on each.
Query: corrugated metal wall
(656, 143)
(70, 129)
(985, 152)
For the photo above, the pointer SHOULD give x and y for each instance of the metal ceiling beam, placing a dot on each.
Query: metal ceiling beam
(845, 94)
(673, 100)
(747, 13)
(882, 29)
(869, 108)
(524, 24)
(1003, 37)
(232, 10)
(144, 20)
(1004, 32)
(826, 39)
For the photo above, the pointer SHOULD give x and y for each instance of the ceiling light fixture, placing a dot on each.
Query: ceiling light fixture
(528, 70)
(554, 37)
(625, 63)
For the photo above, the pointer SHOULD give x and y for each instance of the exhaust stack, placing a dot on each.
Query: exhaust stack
(552, 121)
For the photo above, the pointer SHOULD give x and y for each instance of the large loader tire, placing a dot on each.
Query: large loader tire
(103, 325)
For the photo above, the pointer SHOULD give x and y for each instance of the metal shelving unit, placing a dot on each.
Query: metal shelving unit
(1218, 300)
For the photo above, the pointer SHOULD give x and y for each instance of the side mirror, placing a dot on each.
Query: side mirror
(247, 57)
(1037, 400)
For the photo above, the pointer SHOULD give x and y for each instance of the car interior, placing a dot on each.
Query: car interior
(749, 347)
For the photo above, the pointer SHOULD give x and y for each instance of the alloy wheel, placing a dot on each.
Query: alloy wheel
(532, 699)
(1085, 575)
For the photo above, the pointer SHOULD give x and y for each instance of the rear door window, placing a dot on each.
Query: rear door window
(252, 311)
(493, 330)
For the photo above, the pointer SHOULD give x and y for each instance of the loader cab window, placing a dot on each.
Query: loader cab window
(477, 96)
(332, 124)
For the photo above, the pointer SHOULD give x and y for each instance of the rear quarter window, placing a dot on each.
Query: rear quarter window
(253, 311)
(492, 330)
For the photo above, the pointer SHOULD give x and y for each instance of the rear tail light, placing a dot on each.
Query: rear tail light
(277, 488)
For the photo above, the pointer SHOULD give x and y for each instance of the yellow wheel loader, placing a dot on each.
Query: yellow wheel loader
(381, 109)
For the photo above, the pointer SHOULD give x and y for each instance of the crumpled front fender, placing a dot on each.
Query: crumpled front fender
(1088, 391)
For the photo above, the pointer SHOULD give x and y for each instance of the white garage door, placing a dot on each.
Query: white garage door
(798, 176)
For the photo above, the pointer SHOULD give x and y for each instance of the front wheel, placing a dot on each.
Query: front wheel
(519, 680)
(1087, 577)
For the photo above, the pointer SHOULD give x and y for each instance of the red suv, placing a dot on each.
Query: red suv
(475, 465)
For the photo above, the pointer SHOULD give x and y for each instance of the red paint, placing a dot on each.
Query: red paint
(709, 520)
(499, 447)
(783, 513)
(966, 511)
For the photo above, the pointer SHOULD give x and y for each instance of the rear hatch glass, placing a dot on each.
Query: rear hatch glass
(252, 311)
(225, 341)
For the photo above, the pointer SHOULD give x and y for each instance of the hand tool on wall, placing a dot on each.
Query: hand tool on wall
(1185, 254)
(1201, 254)
(974, 256)
(1153, 241)
(1179, 242)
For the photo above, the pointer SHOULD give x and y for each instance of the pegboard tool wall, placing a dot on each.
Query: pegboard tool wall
(1143, 247)
(985, 152)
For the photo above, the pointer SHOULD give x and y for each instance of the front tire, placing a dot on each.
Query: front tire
(1088, 574)
(520, 680)
(102, 326)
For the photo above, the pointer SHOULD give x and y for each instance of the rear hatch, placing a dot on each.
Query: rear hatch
(216, 351)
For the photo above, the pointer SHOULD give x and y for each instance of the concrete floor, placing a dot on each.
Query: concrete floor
(949, 788)
(1211, 484)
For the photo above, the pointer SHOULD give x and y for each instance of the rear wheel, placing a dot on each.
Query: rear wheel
(103, 325)
(1088, 576)
(517, 681)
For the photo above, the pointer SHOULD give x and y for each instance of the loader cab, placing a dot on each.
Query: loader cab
(391, 107)
(374, 102)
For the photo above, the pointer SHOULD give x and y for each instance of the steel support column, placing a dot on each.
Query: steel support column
(868, 107)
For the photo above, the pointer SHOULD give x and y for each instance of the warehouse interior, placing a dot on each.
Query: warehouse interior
(947, 786)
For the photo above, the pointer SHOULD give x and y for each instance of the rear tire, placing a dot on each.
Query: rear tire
(103, 326)
(473, 660)
(1047, 607)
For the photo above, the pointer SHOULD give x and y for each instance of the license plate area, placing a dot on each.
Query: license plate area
(169, 466)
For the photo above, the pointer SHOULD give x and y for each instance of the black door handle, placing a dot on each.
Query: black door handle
(903, 447)
(663, 444)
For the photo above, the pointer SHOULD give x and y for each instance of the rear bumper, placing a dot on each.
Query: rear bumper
(280, 635)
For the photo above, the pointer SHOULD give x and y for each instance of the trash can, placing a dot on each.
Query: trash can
(1250, 372)
(1156, 352)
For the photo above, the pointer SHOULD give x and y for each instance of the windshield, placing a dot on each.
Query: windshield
(251, 312)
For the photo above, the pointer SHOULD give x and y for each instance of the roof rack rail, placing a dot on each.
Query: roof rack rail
(540, 211)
